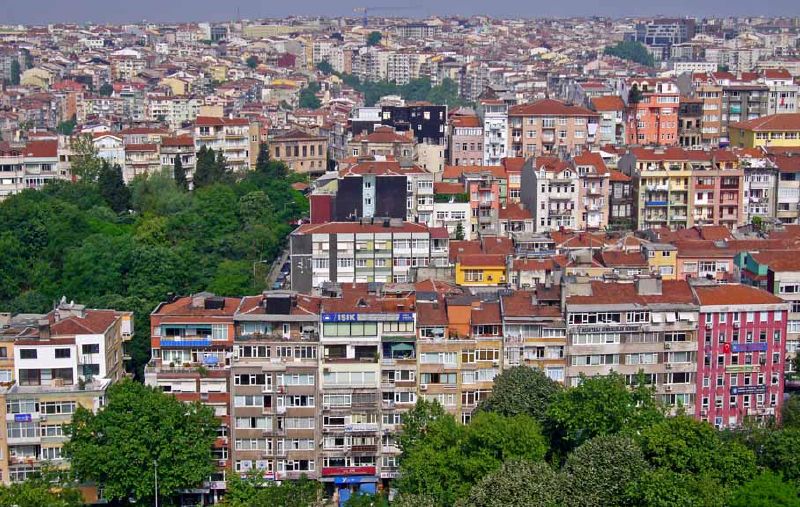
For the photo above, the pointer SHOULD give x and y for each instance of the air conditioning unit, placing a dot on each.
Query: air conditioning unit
(423, 387)
(667, 345)
(668, 366)
(668, 389)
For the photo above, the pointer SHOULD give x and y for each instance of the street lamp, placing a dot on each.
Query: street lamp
(155, 474)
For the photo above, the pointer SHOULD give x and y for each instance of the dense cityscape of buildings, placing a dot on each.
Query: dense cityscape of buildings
(568, 210)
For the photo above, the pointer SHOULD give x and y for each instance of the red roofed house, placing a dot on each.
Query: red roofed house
(385, 142)
(238, 139)
(466, 141)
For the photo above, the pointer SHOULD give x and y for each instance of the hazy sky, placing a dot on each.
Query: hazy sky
(50, 11)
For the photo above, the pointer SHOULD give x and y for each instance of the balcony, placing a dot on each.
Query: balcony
(186, 341)
(655, 203)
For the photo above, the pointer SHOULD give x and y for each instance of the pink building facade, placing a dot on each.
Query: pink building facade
(742, 344)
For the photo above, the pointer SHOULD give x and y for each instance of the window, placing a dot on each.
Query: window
(27, 354)
(90, 348)
(63, 353)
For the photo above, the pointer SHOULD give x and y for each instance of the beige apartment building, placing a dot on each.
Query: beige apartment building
(304, 153)
(550, 127)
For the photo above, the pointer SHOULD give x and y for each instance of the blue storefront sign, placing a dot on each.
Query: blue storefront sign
(740, 390)
(368, 317)
(22, 418)
(749, 347)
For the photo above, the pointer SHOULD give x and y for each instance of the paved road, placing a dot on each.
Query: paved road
(275, 269)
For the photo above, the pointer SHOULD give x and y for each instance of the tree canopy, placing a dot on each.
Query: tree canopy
(522, 390)
(374, 38)
(308, 96)
(46, 488)
(632, 51)
(255, 491)
(140, 429)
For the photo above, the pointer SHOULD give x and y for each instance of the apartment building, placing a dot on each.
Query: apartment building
(466, 141)
(620, 202)
(368, 356)
(61, 360)
(140, 159)
(593, 190)
(661, 185)
(788, 200)
(741, 102)
(275, 388)
(777, 272)
(494, 115)
(29, 166)
(783, 91)
(647, 326)
(175, 111)
(367, 251)
(302, 152)
(704, 87)
(690, 122)
(451, 208)
(384, 142)
(550, 191)
(182, 147)
(776, 130)
(653, 119)
(191, 341)
(742, 341)
(760, 192)
(235, 137)
(534, 334)
(550, 127)
(611, 122)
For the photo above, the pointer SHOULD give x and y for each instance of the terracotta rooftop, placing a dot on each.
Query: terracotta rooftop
(549, 107)
(611, 293)
(734, 294)
(787, 121)
(608, 103)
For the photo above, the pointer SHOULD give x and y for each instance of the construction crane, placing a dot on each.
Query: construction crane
(366, 10)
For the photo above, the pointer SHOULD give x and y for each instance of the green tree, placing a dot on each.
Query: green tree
(325, 67)
(252, 61)
(267, 166)
(687, 446)
(45, 489)
(634, 95)
(16, 72)
(449, 458)
(106, 90)
(86, 164)
(66, 127)
(661, 487)
(308, 98)
(780, 453)
(416, 422)
(766, 490)
(790, 413)
(522, 390)
(205, 172)
(601, 405)
(600, 471)
(632, 51)
(374, 38)
(460, 231)
(516, 484)
(367, 500)
(255, 491)
(179, 174)
(139, 428)
(112, 187)
(757, 222)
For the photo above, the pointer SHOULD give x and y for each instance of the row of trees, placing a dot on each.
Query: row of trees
(418, 89)
(602, 443)
(632, 51)
(109, 245)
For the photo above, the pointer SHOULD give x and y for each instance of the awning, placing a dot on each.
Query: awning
(398, 339)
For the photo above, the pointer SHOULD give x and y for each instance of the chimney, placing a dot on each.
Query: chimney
(44, 329)
(649, 286)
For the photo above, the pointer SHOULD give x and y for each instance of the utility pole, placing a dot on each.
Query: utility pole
(155, 473)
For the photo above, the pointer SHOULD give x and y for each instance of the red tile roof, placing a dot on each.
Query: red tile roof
(779, 260)
(93, 322)
(787, 121)
(604, 293)
(355, 227)
(41, 149)
(549, 107)
(514, 211)
(734, 294)
(481, 260)
(589, 158)
(608, 103)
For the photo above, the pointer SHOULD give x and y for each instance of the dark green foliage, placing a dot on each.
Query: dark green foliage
(780, 452)
(179, 174)
(448, 458)
(517, 484)
(632, 51)
(16, 71)
(634, 95)
(112, 187)
(325, 67)
(211, 168)
(254, 491)
(460, 231)
(66, 127)
(65, 240)
(308, 96)
(417, 89)
(790, 413)
(522, 390)
(601, 405)
(766, 490)
(374, 38)
(252, 61)
(599, 472)
(118, 447)
(366, 500)
(106, 89)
